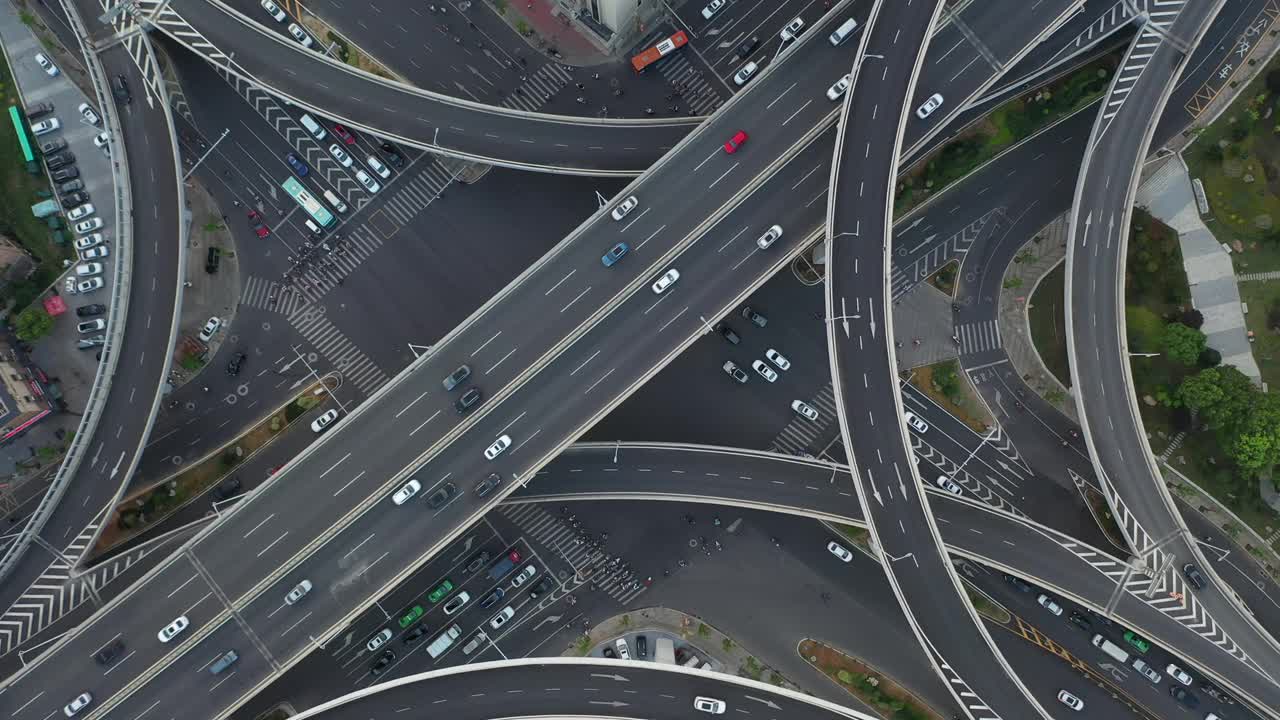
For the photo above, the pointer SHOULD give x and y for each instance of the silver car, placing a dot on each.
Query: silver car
(297, 592)
(933, 103)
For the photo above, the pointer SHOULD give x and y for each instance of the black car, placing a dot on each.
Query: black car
(1080, 621)
(442, 496)
(756, 318)
(109, 653)
(65, 174)
(748, 47)
(1216, 693)
(1193, 575)
(120, 88)
(229, 488)
(49, 147)
(492, 598)
(642, 646)
(234, 364)
(478, 561)
(71, 186)
(62, 159)
(486, 486)
(1184, 696)
(728, 333)
(75, 199)
(1018, 583)
(383, 663)
(35, 110)
(91, 310)
(212, 260)
(468, 401)
(609, 653)
(413, 635)
(541, 588)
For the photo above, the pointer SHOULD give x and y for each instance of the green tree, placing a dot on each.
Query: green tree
(1182, 343)
(1257, 445)
(32, 324)
(1221, 395)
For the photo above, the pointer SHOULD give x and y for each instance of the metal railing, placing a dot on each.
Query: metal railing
(120, 285)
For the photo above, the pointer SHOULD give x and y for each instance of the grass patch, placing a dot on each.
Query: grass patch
(751, 668)
(858, 536)
(1007, 125)
(21, 187)
(1048, 324)
(1263, 299)
(945, 278)
(1237, 158)
(891, 699)
(985, 607)
(943, 382)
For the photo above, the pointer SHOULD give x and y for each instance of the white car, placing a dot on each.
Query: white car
(765, 371)
(378, 640)
(625, 207)
(95, 253)
(89, 114)
(80, 702)
(47, 65)
(804, 409)
(340, 155)
(87, 286)
(710, 10)
(273, 10)
(624, 652)
(83, 211)
(210, 328)
(85, 270)
(88, 241)
(44, 127)
(933, 103)
(297, 592)
(369, 183)
(708, 705)
(88, 226)
(837, 91)
(457, 602)
(101, 141)
(945, 483)
(378, 167)
(319, 424)
(792, 30)
(524, 576)
(406, 491)
(840, 551)
(1070, 700)
(916, 423)
(300, 35)
(1049, 604)
(502, 617)
(1178, 674)
(498, 447)
(744, 73)
(668, 279)
(777, 359)
(168, 632)
(769, 237)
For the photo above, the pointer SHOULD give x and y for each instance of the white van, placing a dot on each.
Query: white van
(442, 643)
(845, 30)
(335, 201)
(318, 132)
(314, 228)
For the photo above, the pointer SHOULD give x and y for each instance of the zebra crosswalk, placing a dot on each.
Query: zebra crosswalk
(801, 433)
(415, 195)
(588, 565)
(337, 348)
(698, 95)
(976, 337)
(538, 88)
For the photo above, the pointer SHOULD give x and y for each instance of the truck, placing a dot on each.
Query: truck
(1110, 648)
(442, 643)
(504, 566)
(664, 651)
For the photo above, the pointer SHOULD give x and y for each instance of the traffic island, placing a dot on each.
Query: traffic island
(142, 511)
(863, 681)
(948, 387)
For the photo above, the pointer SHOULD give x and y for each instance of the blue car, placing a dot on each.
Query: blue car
(615, 254)
(297, 165)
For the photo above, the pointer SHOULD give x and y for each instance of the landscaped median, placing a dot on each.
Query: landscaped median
(864, 682)
(146, 508)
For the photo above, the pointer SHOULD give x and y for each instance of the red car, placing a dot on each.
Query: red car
(735, 142)
(255, 220)
(347, 136)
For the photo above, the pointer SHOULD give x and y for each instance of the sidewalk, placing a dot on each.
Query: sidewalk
(1167, 194)
(546, 28)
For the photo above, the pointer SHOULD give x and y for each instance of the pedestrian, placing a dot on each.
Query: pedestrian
(581, 100)
(580, 86)
(648, 111)
(236, 203)
(595, 76)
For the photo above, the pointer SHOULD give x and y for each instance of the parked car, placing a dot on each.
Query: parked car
(378, 167)
(88, 286)
(91, 326)
(47, 65)
(300, 35)
(322, 423)
(792, 30)
(86, 226)
(235, 363)
(44, 127)
(210, 328)
(764, 370)
(64, 174)
(747, 47)
(804, 409)
(90, 115)
(728, 334)
(840, 551)
(81, 212)
(340, 155)
(96, 253)
(49, 147)
(91, 310)
(1049, 604)
(348, 136)
(744, 73)
(273, 10)
(713, 8)
(777, 359)
(1070, 700)
(732, 370)
(85, 270)
(369, 183)
(71, 200)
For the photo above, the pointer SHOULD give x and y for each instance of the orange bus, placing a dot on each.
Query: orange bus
(659, 51)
